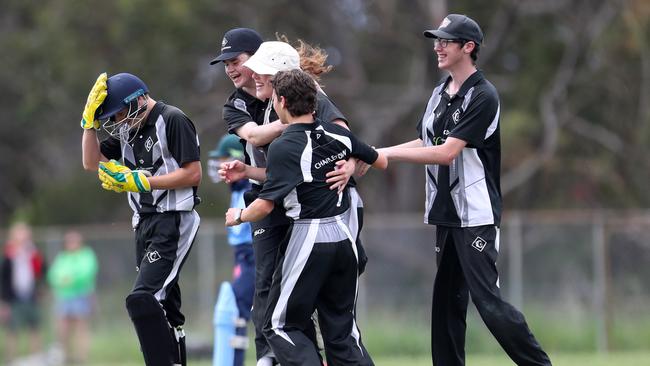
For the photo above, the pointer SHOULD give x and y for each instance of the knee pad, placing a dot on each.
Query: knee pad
(156, 340)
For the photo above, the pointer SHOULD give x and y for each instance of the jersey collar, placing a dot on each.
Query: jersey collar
(469, 83)
(241, 93)
(155, 112)
(304, 126)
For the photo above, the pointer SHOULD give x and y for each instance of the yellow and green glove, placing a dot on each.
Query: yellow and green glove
(95, 99)
(117, 177)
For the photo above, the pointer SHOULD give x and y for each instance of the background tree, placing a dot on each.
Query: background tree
(574, 78)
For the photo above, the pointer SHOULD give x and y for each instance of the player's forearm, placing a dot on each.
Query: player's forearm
(410, 144)
(90, 151)
(381, 162)
(189, 175)
(260, 135)
(257, 210)
(440, 154)
(419, 155)
(258, 174)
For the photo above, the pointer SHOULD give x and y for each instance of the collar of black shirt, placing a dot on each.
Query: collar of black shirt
(470, 82)
(304, 126)
(155, 112)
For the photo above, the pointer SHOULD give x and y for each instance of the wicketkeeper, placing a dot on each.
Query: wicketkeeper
(154, 156)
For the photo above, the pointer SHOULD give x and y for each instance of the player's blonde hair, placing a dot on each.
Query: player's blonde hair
(312, 58)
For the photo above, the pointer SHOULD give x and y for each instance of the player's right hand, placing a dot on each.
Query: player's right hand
(95, 99)
(232, 171)
(339, 177)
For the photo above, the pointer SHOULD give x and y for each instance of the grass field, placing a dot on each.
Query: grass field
(612, 359)
(394, 342)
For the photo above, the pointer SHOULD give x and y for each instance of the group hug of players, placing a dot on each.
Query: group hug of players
(292, 167)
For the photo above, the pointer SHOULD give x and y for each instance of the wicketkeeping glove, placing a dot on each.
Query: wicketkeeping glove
(116, 177)
(95, 99)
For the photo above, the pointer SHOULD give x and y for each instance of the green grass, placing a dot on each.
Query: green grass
(639, 358)
(402, 340)
(560, 359)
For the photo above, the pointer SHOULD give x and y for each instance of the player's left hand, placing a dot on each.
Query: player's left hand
(339, 177)
(117, 177)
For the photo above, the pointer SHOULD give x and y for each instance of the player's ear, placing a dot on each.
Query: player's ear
(469, 46)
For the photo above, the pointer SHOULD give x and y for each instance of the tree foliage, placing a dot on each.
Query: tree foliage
(574, 79)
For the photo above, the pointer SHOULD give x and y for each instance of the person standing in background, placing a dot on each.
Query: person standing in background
(21, 271)
(231, 317)
(72, 278)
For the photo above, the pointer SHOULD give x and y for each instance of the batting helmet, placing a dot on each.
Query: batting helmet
(122, 89)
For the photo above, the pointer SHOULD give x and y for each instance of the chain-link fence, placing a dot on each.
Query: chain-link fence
(581, 278)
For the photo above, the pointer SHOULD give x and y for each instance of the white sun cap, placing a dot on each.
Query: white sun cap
(272, 57)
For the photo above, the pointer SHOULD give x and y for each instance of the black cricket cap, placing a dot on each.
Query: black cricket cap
(457, 26)
(236, 41)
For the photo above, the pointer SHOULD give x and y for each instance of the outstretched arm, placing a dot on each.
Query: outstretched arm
(442, 154)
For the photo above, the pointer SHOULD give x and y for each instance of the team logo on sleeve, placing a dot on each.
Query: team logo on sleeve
(479, 244)
(240, 104)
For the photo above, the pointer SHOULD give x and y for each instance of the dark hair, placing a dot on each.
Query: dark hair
(475, 51)
(298, 90)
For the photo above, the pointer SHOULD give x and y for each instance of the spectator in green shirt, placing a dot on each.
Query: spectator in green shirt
(72, 277)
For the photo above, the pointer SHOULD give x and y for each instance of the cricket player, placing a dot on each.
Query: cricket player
(249, 114)
(459, 144)
(318, 269)
(231, 316)
(160, 170)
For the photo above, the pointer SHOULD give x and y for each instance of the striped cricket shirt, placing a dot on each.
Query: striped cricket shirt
(466, 193)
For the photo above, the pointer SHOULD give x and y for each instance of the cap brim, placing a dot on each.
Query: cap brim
(225, 56)
(260, 68)
(435, 33)
(215, 154)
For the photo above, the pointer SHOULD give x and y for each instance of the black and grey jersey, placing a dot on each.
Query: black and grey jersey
(241, 108)
(165, 142)
(297, 163)
(327, 111)
(467, 192)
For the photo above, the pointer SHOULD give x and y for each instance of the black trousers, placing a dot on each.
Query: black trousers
(163, 242)
(318, 271)
(266, 247)
(466, 260)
